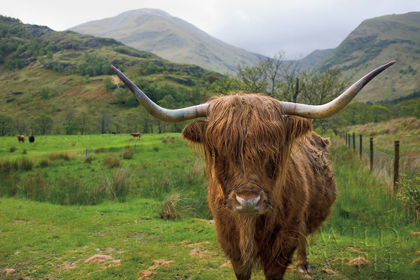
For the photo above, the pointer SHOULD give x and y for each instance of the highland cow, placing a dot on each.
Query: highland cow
(21, 138)
(271, 183)
(136, 134)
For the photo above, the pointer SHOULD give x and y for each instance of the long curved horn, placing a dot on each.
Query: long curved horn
(158, 112)
(334, 106)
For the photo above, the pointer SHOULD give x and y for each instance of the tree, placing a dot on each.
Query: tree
(108, 84)
(43, 124)
(82, 122)
(6, 124)
(120, 95)
(20, 126)
(104, 121)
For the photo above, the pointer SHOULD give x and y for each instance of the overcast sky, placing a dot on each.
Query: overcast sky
(296, 27)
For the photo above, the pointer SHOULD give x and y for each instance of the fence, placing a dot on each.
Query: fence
(386, 161)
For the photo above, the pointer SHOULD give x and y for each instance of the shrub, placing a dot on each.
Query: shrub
(170, 207)
(410, 192)
(26, 164)
(128, 153)
(111, 161)
(43, 163)
(100, 150)
(24, 151)
(89, 159)
(12, 149)
(56, 156)
(119, 186)
(5, 166)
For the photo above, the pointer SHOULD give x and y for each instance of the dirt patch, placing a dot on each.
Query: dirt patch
(145, 274)
(415, 233)
(199, 251)
(327, 271)
(359, 261)
(226, 264)
(9, 271)
(417, 261)
(98, 259)
(70, 266)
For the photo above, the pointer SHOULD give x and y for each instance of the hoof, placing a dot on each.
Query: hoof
(304, 268)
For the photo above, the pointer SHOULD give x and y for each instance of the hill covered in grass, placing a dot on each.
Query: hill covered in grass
(375, 42)
(63, 80)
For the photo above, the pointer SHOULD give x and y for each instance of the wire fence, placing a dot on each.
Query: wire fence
(387, 162)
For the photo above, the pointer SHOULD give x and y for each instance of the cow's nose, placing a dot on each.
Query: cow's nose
(248, 203)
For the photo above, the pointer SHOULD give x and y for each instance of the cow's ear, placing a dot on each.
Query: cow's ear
(194, 132)
(296, 126)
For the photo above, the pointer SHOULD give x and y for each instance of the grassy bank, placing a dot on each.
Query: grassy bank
(52, 241)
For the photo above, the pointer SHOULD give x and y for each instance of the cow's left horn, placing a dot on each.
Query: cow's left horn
(158, 112)
(334, 106)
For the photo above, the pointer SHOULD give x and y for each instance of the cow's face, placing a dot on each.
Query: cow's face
(246, 145)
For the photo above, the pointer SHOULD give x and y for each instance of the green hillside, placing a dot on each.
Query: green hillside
(64, 79)
(171, 38)
(376, 41)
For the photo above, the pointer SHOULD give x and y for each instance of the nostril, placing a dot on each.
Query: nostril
(248, 202)
(249, 205)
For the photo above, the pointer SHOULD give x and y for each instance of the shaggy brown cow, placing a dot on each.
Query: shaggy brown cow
(270, 179)
(137, 134)
(21, 138)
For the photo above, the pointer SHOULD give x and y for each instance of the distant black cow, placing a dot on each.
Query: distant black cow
(31, 139)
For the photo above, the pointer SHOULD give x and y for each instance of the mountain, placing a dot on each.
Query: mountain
(171, 38)
(374, 42)
(65, 78)
(313, 59)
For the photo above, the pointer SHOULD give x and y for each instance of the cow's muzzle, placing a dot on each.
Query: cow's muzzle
(249, 202)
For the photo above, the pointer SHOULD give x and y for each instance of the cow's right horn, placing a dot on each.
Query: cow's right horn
(158, 112)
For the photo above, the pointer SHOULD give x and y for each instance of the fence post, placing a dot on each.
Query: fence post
(354, 141)
(348, 142)
(371, 153)
(360, 146)
(396, 165)
(346, 136)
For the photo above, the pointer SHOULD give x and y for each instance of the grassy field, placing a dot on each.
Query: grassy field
(43, 238)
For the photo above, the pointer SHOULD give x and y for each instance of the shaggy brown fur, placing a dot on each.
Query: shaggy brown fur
(21, 138)
(250, 146)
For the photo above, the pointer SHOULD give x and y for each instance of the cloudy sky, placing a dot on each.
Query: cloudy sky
(296, 27)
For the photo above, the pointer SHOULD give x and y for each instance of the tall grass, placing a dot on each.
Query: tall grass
(363, 199)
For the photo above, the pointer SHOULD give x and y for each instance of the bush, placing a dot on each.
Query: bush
(111, 161)
(410, 192)
(24, 151)
(5, 166)
(128, 153)
(43, 163)
(170, 206)
(12, 149)
(56, 156)
(26, 164)
(89, 159)
(119, 186)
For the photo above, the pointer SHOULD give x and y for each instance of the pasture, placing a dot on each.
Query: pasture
(59, 208)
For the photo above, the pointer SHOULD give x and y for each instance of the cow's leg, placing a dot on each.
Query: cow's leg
(276, 268)
(302, 259)
(242, 271)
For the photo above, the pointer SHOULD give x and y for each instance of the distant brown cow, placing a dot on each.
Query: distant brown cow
(271, 183)
(137, 134)
(21, 138)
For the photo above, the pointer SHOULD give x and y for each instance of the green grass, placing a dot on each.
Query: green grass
(45, 240)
